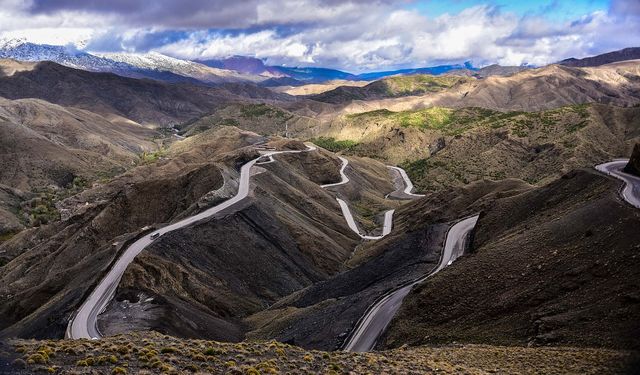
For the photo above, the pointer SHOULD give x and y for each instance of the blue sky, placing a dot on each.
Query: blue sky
(551, 9)
(352, 35)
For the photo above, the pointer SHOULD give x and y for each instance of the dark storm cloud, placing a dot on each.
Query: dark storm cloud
(625, 8)
(190, 14)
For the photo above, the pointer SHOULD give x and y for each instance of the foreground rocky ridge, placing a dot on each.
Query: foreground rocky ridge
(151, 352)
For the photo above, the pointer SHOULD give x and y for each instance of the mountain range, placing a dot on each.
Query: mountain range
(159, 214)
(157, 66)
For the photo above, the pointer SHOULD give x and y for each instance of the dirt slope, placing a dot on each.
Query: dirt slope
(46, 144)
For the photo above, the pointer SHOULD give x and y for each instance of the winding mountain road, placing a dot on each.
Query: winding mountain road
(344, 178)
(85, 322)
(379, 315)
(388, 215)
(408, 185)
(386, 227)
(631, 190)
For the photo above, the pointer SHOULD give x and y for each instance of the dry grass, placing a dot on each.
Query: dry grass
(153, 353)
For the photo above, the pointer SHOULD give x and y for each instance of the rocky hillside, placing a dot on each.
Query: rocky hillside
(443, 147)
(632, 53)
(51, 152)
(261, 118)
(633, 166)
(47, 144)
(556, 265)
(536, 146)
(322, 315)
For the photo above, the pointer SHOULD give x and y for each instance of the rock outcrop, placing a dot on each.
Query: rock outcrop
(633, 166)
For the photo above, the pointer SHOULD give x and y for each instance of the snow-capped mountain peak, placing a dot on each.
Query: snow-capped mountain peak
(136, 65)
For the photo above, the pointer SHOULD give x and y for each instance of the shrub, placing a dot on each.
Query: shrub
(215, 351)
(36, 358)
(168, 350)
(251, 371)
(119, 370)
(334, 145)
(192, 368)
(82, 363)
(19, 363)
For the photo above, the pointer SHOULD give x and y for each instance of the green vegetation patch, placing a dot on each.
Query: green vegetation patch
(153, 156)
(261, 110)
(418, 84)
(42, 209)
(428, 118)
(448, 120)
(333, 145)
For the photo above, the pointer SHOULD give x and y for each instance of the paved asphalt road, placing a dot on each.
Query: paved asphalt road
(631, 191)
(386, 227)
(84, 323)
(404, 192)
(408, 185)
(377, 318)
(345, 179)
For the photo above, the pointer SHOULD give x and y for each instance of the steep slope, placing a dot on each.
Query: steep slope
(553, 265)
(46, 144)
(50, 152)
(632, 53)
(442, 147)
(322, 315)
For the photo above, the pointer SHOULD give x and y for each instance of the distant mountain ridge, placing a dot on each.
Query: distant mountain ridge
(150, 65)
(631, 53)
